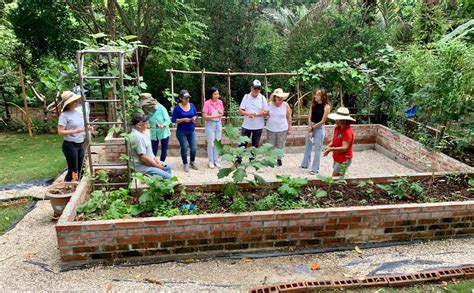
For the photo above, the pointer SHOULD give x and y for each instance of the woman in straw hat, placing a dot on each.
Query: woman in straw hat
(279, 120)
(317, 117)
(343, 139)
(71, 126)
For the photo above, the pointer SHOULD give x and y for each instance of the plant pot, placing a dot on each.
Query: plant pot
(59, 195)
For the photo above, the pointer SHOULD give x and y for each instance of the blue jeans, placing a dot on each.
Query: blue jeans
(164, 147)
(165, 173)
(213, 132)
(190, 138)
(318, 135)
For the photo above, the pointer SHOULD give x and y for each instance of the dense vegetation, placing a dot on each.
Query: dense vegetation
(377, 57)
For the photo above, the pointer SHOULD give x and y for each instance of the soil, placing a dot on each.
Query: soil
(63, 189)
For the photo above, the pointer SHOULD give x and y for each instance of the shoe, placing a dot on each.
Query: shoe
(218, 165)
(302, 167)
(313, 173)
(279, 163)
(211, 165)
(193, 166)
(186, 167)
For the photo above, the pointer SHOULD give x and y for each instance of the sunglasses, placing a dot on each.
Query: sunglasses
(257, 88)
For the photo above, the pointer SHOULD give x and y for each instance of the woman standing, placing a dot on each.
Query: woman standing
(185, 114)
(342, 141)
(317, 117)
(279, 120)
(71, 126)
(159, 127)
(212, 111)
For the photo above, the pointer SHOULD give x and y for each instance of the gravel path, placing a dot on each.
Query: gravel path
(365, 163)
(29, 260)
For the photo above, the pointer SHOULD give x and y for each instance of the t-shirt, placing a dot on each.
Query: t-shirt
(340, 135)
(277, 120)
(161, 117)
(72, 120)
(254, 105)
(317, 112)
(179, 113)
(211, 108)
(141, 144)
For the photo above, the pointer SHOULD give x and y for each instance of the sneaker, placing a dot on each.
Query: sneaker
(194, 166)
(211, 165)
(186, 167)
(279, 163)
(218, 165)
(313, 173)
(303, 167)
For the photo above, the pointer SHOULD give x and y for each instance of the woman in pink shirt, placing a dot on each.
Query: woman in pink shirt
(212, 111)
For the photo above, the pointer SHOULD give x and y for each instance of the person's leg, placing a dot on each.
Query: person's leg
(168, 168)
(70, 159)
(154, 146)
(340, 169)
(210, 136)
(245, 132)
(271, 137)
(192, 144)
(158, 172)
(217, 136)
(280, 140)
(308, 148)
(181, 136)
(164, 148)
(80, 160)
(318, 136)
(256, 134)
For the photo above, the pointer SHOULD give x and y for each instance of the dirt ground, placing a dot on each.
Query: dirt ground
(29, 260)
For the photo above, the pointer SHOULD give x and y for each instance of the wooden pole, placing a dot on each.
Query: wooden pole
(368, 101)
(229, 92)
(266, 84)
(203, 90)
(22, 84)
(298, 98)
(172, 89)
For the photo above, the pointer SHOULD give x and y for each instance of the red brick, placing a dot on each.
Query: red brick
(288, 215)
(333, 240)
(142, 231)
(245, 239)
(82, 249)
(462, 214)
(224, 227)
(300, 236)
(210, 220)
(63, 242)
(147, 222)
(81, 235)
(266, 216)
(174, 230)
(274, 223)
(251, 225)
(315, 215)
(301, 222)
(129, 240)
(134, 224)
(350, 220)
(157, 238)
(339, 213)
(231, 219)
(98, 227)
(111, 233)
(60, 228)
(229, 233)
(388, 211)
(73, 257)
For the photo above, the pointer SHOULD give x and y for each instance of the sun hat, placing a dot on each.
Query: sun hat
(138, 117)
(256, 83)
(68, 97)
(279, 93)
(342, 113)
(184, 94)
(147, 102)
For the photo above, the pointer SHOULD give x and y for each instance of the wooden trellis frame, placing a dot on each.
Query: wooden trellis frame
(228, 74)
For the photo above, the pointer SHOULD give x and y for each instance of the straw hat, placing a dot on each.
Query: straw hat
(147, 102)
(279, 93)
(342, 113)
(68, 97)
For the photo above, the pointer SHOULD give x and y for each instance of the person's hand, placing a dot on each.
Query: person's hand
(220, 111)
(160, 165)
(289, 130)
(194, 118)
(251, 115)
(326, 151)
(310, 128)
(91, 128)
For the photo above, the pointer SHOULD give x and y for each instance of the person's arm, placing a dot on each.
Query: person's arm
(150, 162)
(327, 110)
(175, 118)
(264, 112)
(243, 107)
(62, 131)
(195, 113)
(166, 117)
(288, 117)
(310, 124)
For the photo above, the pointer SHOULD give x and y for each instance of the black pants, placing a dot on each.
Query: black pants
(254, 135)
(74, 153)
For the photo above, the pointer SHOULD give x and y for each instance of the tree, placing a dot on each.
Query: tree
(45, 27)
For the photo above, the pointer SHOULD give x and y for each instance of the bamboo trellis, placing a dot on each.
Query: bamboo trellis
(228, 74)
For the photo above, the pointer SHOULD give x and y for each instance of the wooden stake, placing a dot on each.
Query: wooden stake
(22, 84)
(266, 84)
(203, 90)
(298, 97)
(229, 92)
(172, 89)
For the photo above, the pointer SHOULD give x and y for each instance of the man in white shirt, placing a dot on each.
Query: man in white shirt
(254, 108)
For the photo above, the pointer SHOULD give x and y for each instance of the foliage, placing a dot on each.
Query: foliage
(45, 27)
(239, 204)
(269, 202)
(402, 188)
(290, 187)
(255, 158)
(155, 195)
(106, 204)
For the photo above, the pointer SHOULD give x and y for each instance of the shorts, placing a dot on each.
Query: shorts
(341, 167)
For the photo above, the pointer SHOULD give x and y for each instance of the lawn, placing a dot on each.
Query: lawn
(11, 213)
(24, 158)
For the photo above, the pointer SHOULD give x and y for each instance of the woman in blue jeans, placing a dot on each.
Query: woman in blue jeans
(212, 111)
(317, 117)
(185, 114)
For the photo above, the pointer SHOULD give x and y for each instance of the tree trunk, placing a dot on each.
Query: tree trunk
(7, 111)
(110, 17)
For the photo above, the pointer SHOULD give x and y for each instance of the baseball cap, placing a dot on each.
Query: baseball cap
(184, 94)
(256, 83)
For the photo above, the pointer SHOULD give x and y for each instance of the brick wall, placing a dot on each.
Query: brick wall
(256, 231)
(413, 152)
(365, 134)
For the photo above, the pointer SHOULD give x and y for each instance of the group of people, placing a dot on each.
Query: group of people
(254, 108)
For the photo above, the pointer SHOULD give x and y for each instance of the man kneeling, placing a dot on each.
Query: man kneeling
(145, 160)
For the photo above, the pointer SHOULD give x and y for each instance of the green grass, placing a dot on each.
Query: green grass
(9, 214)
(24, 158)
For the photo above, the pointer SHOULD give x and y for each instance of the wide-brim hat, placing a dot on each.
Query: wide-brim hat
(68, 97)
(279, 93)
(342, 113)
(147, 102)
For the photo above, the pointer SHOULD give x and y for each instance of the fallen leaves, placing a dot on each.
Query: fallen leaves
(153, 281)
(315, 266)
(358, 250)
(246, 259)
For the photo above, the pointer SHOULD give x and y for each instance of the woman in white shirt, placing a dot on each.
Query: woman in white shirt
(279, 120)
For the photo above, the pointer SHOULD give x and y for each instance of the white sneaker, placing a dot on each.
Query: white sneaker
(186, 167)
(211, 165)
(218, 165)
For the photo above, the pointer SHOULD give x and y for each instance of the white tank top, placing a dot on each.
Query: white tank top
(277, 118)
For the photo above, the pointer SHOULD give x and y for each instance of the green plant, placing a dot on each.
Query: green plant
(257, 158)
(290, 187)
(154, 196)
(107, 204)
(239, 204)
(367, 187)
(403, 188)
(269, 202)
(329, 180)
(319, 193)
